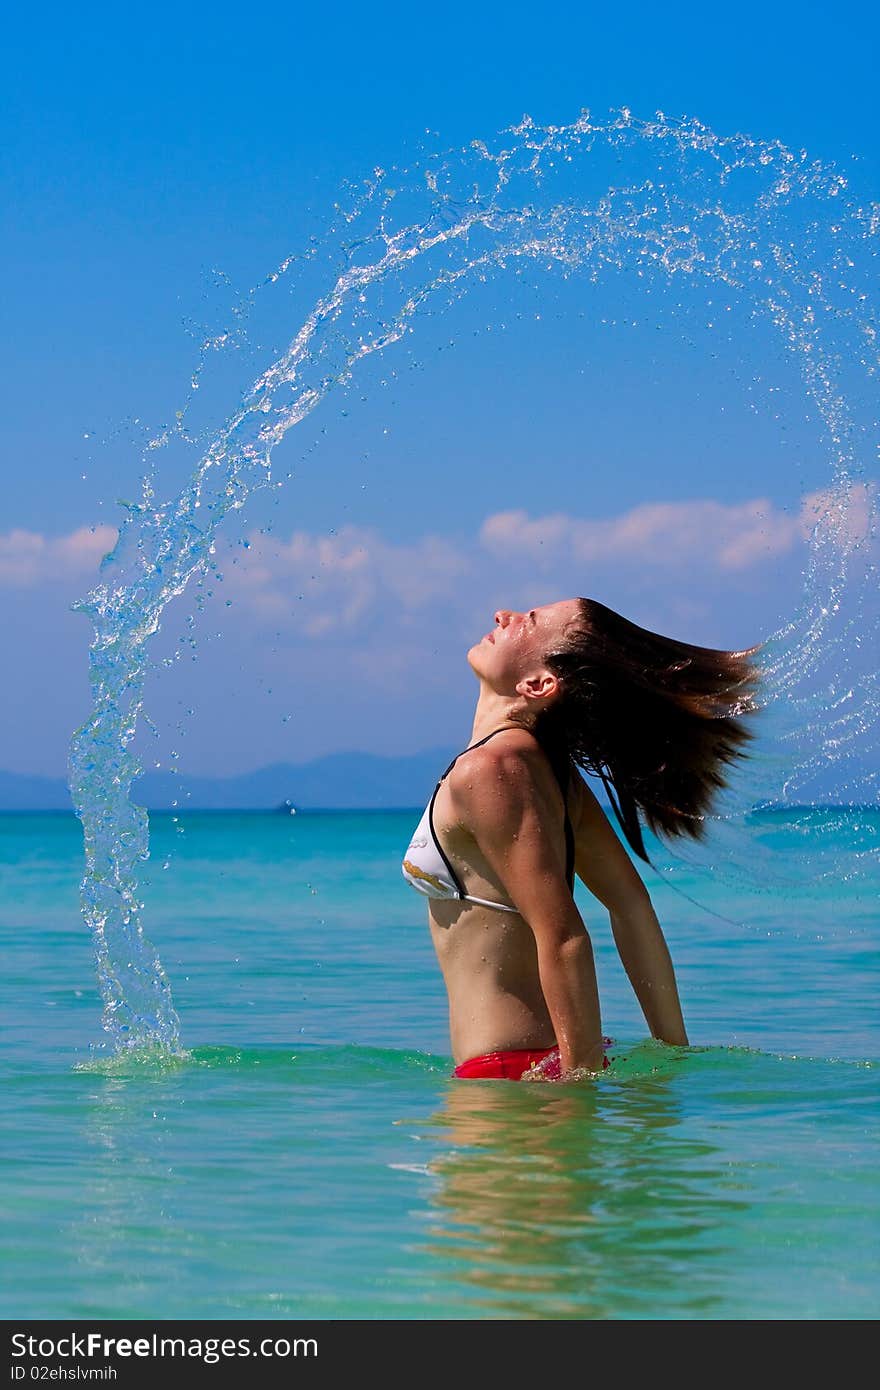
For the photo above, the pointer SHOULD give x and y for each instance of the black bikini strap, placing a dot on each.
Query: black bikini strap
(452, 874)
(479, 743)
(569, 852)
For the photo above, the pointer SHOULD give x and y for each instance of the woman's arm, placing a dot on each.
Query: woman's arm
(509, 801)
(603, 864)
(647, 962)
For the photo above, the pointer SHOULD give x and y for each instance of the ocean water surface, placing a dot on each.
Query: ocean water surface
(311, 1156)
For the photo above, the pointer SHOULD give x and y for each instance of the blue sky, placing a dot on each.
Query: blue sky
(145, 150)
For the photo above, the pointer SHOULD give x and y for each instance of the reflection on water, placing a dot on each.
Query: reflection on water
(684, 1183)
(579, 1201)
(127, 1199)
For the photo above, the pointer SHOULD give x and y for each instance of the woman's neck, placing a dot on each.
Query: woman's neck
(495, 712)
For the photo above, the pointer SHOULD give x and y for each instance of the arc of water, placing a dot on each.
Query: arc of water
(160, 548)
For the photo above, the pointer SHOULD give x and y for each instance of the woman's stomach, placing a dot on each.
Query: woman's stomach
(489, 962)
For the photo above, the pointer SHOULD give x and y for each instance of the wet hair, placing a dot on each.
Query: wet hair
(656, 719)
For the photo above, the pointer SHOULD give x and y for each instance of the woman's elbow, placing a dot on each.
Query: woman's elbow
(563, 943)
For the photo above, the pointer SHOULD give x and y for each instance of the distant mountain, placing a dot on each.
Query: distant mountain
(21, 792)
(338, 781)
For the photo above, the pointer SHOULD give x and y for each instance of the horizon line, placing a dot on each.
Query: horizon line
(291, 810)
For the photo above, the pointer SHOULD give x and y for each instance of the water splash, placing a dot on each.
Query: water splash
(656, 199)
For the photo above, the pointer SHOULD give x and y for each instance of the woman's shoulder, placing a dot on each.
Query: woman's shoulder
(510, 746)
(512, 761)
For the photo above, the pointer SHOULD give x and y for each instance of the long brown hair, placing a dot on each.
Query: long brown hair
(657, 719)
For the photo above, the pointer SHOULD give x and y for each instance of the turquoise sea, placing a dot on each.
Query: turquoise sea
(313, 1158)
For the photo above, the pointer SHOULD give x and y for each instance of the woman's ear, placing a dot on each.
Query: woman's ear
(542, 686)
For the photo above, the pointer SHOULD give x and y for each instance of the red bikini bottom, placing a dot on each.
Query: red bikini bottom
(512, 1066)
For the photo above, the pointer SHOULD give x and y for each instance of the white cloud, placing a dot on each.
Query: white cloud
(343, 577)
(387, 609)
(392, 608)
(846, 515)
(337, 581)
(656, 535)
(677, 536)
(28, 558)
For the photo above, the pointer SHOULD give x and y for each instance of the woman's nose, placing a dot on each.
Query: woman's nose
(502, 617)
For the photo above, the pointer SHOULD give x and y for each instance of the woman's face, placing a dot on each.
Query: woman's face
(517, 645)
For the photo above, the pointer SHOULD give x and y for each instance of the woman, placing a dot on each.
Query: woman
(571, 684)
